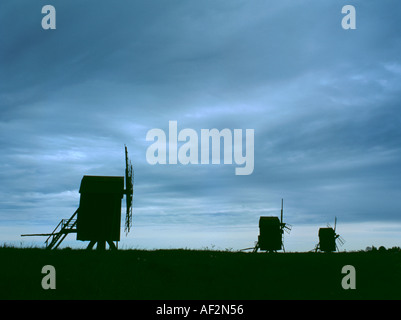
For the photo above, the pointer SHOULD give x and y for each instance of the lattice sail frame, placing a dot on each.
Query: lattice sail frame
(129, 186)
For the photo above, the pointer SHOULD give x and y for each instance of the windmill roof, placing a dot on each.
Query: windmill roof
(326, 231)
(264, 221)
(102, 184)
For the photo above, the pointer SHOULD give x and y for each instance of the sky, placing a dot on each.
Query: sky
(324, 104)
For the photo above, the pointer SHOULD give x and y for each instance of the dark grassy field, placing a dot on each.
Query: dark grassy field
(189, 274)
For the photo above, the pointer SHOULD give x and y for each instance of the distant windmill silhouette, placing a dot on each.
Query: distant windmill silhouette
(271, 231)
(98, 218)
(328, 239)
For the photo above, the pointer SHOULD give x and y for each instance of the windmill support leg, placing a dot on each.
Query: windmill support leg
(111, 245)
(101, 245)
(91, 245)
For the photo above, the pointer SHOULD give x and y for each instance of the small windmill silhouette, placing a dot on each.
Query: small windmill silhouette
(328, 239)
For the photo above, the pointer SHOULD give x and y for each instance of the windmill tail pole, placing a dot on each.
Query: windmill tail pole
(36, 234)
(126, 161)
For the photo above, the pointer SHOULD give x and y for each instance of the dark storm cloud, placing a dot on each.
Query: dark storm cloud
(324, 103)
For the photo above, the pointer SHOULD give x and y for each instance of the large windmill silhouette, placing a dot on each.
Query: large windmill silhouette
(98, 217)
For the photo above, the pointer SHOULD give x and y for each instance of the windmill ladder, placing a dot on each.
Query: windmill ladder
(66, 227)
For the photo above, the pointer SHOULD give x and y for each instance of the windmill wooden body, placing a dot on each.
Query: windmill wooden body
(99, 213)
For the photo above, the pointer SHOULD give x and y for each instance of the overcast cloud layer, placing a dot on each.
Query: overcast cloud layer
(324, 103)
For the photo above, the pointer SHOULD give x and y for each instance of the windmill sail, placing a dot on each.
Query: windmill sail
(129, 190)
(285, 226)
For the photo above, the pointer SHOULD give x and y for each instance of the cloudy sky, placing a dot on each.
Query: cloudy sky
(324, 104)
